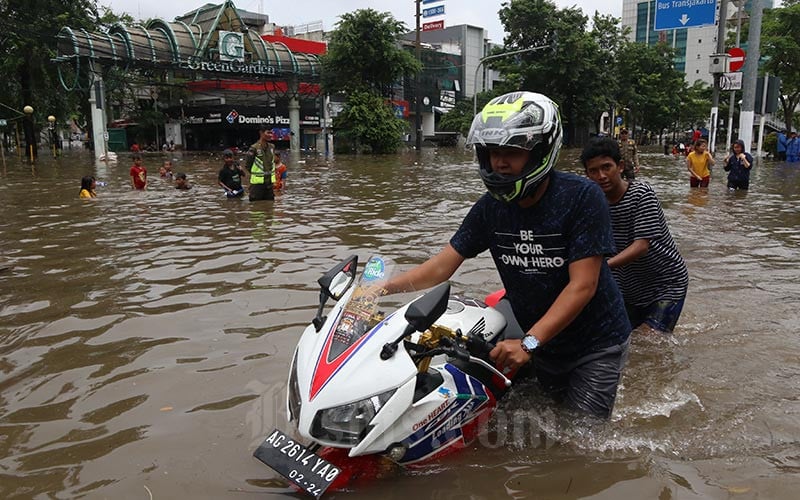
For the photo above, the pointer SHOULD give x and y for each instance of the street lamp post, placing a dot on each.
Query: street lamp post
(417, 83)
(489, 58)
(51, 127)
(27, 129)
(723, 18)
(739, 5)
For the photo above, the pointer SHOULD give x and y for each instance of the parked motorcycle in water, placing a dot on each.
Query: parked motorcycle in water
(368, 389)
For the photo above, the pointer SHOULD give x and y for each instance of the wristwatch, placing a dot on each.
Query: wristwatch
(529, 343)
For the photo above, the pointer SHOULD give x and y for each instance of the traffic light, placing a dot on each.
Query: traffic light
(773, 93)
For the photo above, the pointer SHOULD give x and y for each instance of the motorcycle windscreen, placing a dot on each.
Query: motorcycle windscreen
(359, 315)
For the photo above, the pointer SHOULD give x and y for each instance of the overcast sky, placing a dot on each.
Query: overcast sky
(293, 12)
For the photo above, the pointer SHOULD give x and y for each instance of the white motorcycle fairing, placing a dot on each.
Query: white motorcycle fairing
(355, 375)
(409, 387)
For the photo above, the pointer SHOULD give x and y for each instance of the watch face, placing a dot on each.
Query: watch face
(529, 343)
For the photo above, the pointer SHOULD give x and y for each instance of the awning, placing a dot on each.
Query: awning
(215, 42)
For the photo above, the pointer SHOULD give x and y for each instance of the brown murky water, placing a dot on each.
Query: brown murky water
(145, 336)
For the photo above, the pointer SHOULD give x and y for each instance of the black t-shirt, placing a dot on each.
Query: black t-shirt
(231, 177)
(532, 249)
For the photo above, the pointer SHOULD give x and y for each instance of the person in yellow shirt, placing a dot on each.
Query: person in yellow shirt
(699, 163)
(88, 185)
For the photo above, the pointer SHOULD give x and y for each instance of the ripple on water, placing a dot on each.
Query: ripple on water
(134, 303)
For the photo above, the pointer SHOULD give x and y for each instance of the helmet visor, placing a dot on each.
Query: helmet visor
(500, 125)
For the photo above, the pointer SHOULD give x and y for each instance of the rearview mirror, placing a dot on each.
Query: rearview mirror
(338, 280)
(423, 312)
(420, 315)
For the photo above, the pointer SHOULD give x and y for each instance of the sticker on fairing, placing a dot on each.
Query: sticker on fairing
(375, 269)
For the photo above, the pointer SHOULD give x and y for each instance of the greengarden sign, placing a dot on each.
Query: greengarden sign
(231, 46)
(239, 67)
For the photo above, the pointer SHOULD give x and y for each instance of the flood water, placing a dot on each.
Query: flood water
(145, 337)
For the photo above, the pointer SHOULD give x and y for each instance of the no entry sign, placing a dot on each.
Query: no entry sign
(737, 58)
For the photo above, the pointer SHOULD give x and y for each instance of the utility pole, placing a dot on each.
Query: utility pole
(763, 120)
(723, 17)
(740, 5)
(417, 83)
(750, 75)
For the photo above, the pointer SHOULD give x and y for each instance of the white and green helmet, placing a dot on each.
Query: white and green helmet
(524, 120)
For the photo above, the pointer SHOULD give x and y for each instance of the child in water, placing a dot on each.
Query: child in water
(138, 173)
(280, 173)
(181, 182)
(88, 185)
(166, 169)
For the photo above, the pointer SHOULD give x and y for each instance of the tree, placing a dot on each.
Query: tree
(649, 85)
(363, 61)
(694, 106)
(576, 73)
(367, 123)
(780, 35)
(610, 39)
(363, 54)
(109, 18)
(28, 42)
(459, 118)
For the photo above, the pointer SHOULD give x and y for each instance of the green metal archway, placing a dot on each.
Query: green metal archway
(212, 43)
(202, 47)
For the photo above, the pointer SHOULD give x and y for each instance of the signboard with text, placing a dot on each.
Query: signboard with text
(231, 46)
(676, 14)
(731, 81)
(435, 25)
(447, 99)
(433, 11)
(250, 116)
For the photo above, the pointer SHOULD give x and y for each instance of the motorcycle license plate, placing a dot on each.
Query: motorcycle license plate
(311, 473)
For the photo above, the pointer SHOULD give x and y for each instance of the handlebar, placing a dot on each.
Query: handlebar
(474, 345)
(478, 347)
(492, 369)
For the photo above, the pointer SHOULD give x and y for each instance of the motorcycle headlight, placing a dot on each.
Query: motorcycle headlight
(348, 424)
(293, 393)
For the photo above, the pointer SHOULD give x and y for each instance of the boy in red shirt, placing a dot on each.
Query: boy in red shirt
(138, 173)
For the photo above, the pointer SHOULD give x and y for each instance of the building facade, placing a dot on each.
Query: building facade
(693, 46)
(215, 74)
(452, 70)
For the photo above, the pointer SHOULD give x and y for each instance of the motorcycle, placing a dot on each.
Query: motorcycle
(371, 391)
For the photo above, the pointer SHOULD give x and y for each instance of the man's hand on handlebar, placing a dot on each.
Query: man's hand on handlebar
(509, 354)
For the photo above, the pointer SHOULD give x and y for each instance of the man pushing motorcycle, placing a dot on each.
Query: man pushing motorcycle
(548, 233)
